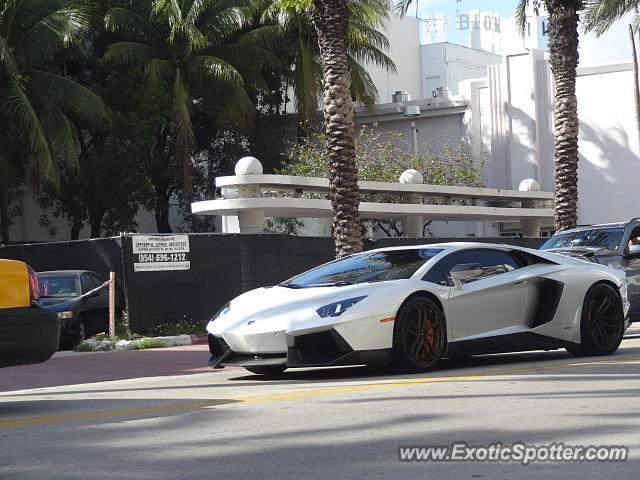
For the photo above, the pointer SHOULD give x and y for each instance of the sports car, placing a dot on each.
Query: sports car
(412, 306)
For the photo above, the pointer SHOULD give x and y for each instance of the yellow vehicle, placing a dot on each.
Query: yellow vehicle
(28, 333)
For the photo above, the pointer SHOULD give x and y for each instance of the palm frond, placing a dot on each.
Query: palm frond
(307, 84)
(158, 72)
(225, 24)
(69, 95)
(599, 15)
(20, 110)
(62, 135)
(362, 87)
(520, 13)
(131, 25)
(184, 128)
(132, 53)
(373, 13)
(211, 69)
(7, 62)
(52, 33)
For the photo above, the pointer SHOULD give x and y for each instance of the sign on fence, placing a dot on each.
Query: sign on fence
(161, 252)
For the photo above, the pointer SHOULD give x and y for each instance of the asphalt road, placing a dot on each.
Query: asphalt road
(336, 424)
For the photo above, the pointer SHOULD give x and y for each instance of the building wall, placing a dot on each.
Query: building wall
(510, 119)
(609, 165)
(404, 49)
(447, 64)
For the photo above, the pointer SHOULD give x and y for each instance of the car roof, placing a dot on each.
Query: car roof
(447, 246)
(581, 228)
(65, 272)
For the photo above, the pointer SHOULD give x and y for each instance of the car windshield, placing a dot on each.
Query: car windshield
(365, 267)
(609, 238)
(58, 287)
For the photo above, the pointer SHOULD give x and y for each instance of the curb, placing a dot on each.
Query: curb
(95, 345)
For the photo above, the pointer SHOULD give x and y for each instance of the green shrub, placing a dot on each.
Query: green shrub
(122, 327)
(82, 347)
(146, 343)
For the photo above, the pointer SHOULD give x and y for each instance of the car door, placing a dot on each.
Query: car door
(629, 262)
(489, 305)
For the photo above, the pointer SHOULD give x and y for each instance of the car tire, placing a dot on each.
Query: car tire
(419, 335)
(79, 330)
(267, 370)
(602, 322)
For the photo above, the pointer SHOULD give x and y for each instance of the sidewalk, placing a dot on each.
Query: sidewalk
(633, 331)
(70, 368)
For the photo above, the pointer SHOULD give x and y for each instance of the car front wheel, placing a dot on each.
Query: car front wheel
(419, 335)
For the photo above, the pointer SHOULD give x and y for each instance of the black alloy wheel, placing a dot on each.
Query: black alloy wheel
(602, 322)
(419, 335)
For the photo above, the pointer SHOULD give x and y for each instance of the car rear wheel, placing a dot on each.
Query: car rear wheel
(419, 335)
(602, 322)
(269, 370)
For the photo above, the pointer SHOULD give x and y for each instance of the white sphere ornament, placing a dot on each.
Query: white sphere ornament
(529, 185)
(411, 176)
(248, 166)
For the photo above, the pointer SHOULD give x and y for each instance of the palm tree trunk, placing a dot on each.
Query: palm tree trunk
(331, 20)
(636, 86)
(563, 58)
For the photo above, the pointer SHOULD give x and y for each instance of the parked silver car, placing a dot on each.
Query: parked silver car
(614, 244)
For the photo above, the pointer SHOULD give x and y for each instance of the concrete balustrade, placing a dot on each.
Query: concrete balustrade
(416, 201)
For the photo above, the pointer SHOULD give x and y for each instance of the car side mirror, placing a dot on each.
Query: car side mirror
(633, 251)
(465, 271)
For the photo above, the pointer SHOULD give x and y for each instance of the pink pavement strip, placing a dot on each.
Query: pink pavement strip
(71, 368)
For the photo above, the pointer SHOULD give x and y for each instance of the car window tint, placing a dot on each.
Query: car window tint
(58, 286)
(89, 282)
(373, 266)
(439, 273)
(436, 275)
(506, 258)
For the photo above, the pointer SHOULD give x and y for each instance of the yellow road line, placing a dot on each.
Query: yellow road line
(314, 392)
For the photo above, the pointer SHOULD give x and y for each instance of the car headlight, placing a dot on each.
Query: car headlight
(338, 308)
(222, 312)
(65, 315)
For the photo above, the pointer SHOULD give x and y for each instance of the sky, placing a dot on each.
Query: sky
(612, 47)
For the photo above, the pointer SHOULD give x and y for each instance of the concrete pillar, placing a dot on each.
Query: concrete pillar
(412, 224)
(250, 221)
(530, 227)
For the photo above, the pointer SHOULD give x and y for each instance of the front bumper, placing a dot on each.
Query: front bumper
(321, 349)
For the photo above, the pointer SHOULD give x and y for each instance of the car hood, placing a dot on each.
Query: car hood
(58, 304)
(271, 301)
(592, 254)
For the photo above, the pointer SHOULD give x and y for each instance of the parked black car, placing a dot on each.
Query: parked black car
(614, 244)
(81, 301)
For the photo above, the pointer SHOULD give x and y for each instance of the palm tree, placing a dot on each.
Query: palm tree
(188, 50)
(293, 34)
(599, 16)
(37, 105)
(331, 20)
(563, 59)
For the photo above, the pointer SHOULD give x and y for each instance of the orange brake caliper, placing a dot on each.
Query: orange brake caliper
(426, 349)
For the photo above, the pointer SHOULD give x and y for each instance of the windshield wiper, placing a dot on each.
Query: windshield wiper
(341, 283)
(291, 285)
